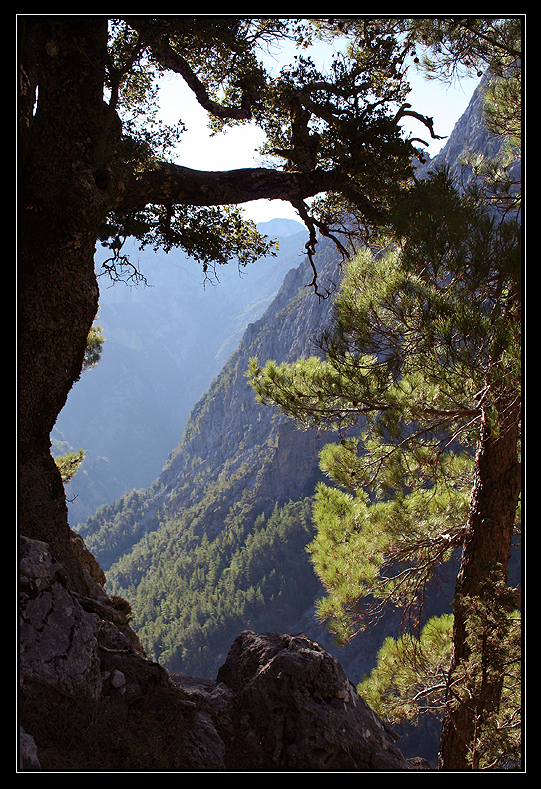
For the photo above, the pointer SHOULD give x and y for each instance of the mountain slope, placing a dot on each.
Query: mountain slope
(231, 446)
(164, 345)
(235, 463)
(217, 543)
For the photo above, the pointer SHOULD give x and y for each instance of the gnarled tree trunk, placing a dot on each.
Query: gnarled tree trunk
(494, 499)
(60, 210)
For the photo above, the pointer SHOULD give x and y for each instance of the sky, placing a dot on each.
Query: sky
(237, 147)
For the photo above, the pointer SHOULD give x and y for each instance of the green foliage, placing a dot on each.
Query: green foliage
(452, 46)
(211, 235)
(503, 100)
(191, 595)
(341, 120)
(94, 347)
(133, 82)
(68, 464)
(226, 235)
(410, 678)
(410, 681)
(371, 556)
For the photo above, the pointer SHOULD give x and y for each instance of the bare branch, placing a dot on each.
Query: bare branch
(428, 122)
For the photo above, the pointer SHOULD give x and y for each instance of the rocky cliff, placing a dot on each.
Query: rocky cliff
(227, 429)
(90, 700)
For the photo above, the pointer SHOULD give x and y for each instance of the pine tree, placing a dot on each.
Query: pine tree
(423, 357)
(410, 678)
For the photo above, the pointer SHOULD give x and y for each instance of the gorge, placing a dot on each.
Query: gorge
(197, 547)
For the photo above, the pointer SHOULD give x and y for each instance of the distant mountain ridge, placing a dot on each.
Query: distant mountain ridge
(228, 436)
(164, 345)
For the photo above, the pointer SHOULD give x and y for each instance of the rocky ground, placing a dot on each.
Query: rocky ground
(90, 700)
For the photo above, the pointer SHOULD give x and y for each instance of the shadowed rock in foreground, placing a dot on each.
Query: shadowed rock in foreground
(293, 708)
(91, 700)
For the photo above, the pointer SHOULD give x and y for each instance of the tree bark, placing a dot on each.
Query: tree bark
(494, 499)
(60, 210)
(169, 184)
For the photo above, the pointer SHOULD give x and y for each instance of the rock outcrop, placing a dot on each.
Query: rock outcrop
(91, 700)
(295, 709)
(58, 638)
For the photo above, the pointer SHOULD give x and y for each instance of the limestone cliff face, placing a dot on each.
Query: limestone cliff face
(228, 432)
(233, 448)
(470, 135)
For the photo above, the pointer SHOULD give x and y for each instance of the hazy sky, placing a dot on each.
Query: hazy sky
(237, 147)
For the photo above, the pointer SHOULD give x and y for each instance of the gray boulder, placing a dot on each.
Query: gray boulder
(58, 639)
(295, 709)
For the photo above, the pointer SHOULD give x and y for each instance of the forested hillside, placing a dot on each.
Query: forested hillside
(232, 497)
(199, 594)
